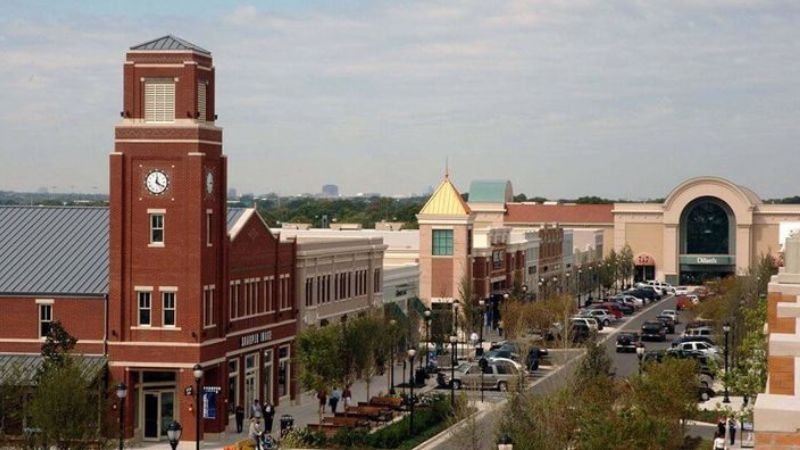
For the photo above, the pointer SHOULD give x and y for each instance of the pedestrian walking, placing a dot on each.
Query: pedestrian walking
(721, 426)
(347, 397)
(255, 410)
(732, 425)
(255, 432)
(336, 395)
(239, 418)
(269, 416)
(719, 441)
(322, 397)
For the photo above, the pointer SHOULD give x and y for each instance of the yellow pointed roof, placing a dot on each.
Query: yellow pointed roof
(445, 201)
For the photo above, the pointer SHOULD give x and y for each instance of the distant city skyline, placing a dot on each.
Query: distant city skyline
(600, 97)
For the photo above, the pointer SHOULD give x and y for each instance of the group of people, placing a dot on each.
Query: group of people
(333, 401)
(261, 420)
(719, 436)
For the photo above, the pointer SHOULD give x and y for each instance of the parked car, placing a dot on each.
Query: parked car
(681, 290)
(672, 313)
(512, 351)
(627, 342)
(637, 303)
(654, 330)
(589, 321)
(666, 288)
(611, 307)
(702, 347)
(642, 293)
(699, 331)
(669, 322)
(496, 375)
(626, 308)
(600, 314)
(580, 332)
(683, 303)
(706, 339)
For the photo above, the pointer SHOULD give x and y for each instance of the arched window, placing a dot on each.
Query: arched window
(707, 228)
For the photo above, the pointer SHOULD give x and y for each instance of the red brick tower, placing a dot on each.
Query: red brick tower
(167, 236)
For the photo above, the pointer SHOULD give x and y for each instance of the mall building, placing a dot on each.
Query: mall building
(706, 227)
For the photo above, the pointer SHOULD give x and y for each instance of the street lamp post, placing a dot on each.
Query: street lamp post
(640, 354)
(197, 372)
(727, 329)
(411, 353)
(174, 431)
(392, 323)
(482, 305)
(427, 338)
(453, 340)
(474, 339)
(122, 392)
(579, 284)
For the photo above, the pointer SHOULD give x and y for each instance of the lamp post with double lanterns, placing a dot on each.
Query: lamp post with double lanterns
(411, 353)
(453, 340)
(197, 372)
(427, 338)
(726, 328)
(392, 324)
(174, 431)
(122, 392)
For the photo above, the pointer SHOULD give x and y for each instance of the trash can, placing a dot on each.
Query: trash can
(287, 423)
(419, 377)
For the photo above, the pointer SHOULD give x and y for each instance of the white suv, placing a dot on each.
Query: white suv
(698, 346)
(665, 288)
(591, 322)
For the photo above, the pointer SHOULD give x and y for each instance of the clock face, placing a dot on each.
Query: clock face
(209, 182)
(156, 182)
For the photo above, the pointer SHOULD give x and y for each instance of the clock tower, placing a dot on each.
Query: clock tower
(167, 228)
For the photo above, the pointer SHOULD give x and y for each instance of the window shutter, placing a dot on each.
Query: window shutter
(201, 100)
(159, 100)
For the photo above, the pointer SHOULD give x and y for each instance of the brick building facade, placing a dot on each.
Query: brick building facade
(167, 277)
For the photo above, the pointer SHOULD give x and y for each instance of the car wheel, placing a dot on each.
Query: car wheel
(502, 386)
(606, 323)
(456, 384)
(704, 397)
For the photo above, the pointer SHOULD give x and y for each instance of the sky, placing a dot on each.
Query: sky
(621, 99)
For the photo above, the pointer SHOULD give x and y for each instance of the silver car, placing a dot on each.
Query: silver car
(497, 374)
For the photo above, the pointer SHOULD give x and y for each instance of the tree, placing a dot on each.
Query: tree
(64, 406)
(469, 306)
(11, 401)
(625, 259)
(57, 345)
(319, 358)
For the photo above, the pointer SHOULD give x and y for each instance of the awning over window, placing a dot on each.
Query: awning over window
(23, 368)
(393, 311)
(416, 304)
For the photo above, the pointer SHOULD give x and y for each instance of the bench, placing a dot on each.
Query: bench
(371, 412)
(388, 402)
(346, 421)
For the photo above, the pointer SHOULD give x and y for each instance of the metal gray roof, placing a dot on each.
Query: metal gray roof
(53, 250)
(170, 42)
(23, 368)
(58, 250)
(234, 214)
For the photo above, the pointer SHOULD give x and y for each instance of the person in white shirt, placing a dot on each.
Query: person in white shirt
(719, 442)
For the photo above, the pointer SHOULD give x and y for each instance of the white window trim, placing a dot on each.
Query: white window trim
(45, 301)
(209, 225)
(208, 291)
(139, 308)
(40, 321)
(174, 292)
(150, 215)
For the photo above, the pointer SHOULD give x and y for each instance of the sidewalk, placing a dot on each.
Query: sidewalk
(736, 405)
(304, 409)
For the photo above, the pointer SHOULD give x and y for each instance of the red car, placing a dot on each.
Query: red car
(611, 308)
(684, 302)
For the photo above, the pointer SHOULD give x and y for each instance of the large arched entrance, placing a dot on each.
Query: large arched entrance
(707, 241)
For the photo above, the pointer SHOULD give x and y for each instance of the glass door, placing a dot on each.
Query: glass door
(151, 412)
(267, 377)
(167, 411)
(250, 380)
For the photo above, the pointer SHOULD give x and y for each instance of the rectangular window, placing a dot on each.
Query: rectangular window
(45, 319)
(144, 308)
(159, 100)
(168, 302)
(209, 223)
(336, 292)
(376, 284)
(285, 293)
(309, 291)
(201, 101)
(270, 297)
(208, 306)
(442, 242)
(156, 228)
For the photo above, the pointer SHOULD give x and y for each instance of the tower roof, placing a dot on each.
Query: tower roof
(491, 191)
(170, 43)
(445, 201)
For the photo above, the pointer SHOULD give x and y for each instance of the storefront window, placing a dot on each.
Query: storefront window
(267, 376)
(233, 384)
(284, 374)
(250, 379)
(707, 229)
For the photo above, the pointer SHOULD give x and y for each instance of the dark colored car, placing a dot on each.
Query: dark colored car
(669, 322)
(654, 330)
(624, 307)
(649, 294)
(580, 332)
(627, 342)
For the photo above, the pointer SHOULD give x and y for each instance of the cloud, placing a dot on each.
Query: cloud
(529, 90)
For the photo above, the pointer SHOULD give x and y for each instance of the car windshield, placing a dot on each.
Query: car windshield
(463, 367)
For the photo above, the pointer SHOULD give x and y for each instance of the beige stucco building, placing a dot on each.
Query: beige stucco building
(706, 226)
(337, 278)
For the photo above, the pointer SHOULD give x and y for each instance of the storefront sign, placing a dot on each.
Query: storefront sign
(708, 260)
(210, 401)
(255, 338)
(643, 259)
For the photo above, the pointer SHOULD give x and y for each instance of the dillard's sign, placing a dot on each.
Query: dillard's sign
(706, 260)
(255, 338)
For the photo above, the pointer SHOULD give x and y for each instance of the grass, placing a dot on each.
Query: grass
(706, 415)
(427, 434)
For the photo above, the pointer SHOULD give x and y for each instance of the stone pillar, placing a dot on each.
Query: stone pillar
(669, 268)
(744, 248)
